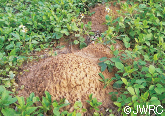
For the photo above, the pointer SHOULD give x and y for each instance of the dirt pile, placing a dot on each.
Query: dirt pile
(98, 18)
(72, 76)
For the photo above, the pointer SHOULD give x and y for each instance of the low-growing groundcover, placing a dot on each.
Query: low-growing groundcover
(141, 27)
(27, 26)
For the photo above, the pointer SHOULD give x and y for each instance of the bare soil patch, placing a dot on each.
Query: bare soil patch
(98, 18)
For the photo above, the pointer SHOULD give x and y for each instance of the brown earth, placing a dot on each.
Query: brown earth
(98, 18)
(72, 74)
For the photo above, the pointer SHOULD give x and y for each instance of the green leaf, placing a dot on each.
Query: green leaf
(145, 96)
(159, 90)
(112, 47)
(163, 114)
(2, 88)
(151, 69)
(155, 101)
(116, 52)
(8, 112)
(138, 86)
(36, 99)
(131, 90)
(10, 100)
(146, 57)
(30, 98)
(134, 97)
(13, 52)
(117, 84)
(148, 43)
(107, 17)
(140, 81)
(102, 76)
(127, 45)
(128, 100)
(78, 114)
(29, 110)
(45, 103)
(124, 81)
(155, 57)
(63, 105)
(158, 70)
(74, 27)
(151, 87)
(159, 85)
(58, 35)
(57, 29)
(94, 100)
(110, 67)
(83, 45)
(16, 35)
(90, 96)
(137, 91)
(82, 39)
(21, 101)
(103, 58)
(125, 74)
(103, 66)
(77, 105)
(77, 35)
(148, 75)
(76, 42)
(114, 97)
(11, 75)
(56, 111)
(35, 42)
(115, 59)
(142, 6)
(10, 46)
(117, 104)
(119, 65)
(65, 31)
(48, 96)
(91, 33)
(6, 99)
(107, 62)
(1, 55)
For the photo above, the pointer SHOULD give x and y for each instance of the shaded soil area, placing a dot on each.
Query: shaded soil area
(73, 73)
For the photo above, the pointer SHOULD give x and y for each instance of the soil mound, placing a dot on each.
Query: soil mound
(98, 18)
(72, 76)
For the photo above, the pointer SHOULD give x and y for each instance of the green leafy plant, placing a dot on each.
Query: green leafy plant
(94, 103)
(84, 30)
(143, 75)
(35, 25)
(105, 81)
(46, 102)
(5, 101)
(27, 108)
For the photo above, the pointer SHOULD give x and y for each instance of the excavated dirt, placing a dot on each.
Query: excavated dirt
(98, 18)
(72, 74)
